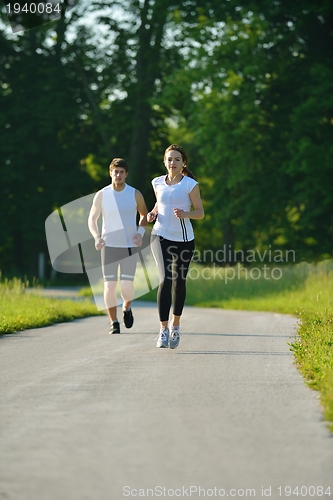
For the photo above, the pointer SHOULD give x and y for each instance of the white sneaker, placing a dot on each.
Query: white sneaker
(174, 337)
(163, 338)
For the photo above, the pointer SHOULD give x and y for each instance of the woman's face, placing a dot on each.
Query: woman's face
(174, 162)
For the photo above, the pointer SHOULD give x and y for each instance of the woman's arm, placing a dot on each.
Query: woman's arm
(197, 212)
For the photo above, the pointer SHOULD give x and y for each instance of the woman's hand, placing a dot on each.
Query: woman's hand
(179, 213)
(151, 216)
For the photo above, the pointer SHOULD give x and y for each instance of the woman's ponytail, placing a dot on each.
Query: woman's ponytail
(186, 171)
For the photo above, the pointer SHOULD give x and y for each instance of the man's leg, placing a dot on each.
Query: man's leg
(110, 263)
(127, 273)
(110, 299)
(127, 293)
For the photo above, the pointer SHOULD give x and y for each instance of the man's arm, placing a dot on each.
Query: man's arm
(151, 216)
(142, 209)
(95, 212)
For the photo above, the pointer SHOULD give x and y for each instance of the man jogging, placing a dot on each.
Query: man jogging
(119, 204)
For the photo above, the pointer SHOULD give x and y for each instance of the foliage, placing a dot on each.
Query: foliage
(258, 100)
(48, 132)
(245, 87)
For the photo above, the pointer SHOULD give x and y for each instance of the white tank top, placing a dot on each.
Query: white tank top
(168, 198)
(119, 210)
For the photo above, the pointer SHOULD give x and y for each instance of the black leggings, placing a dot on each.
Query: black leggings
(177, 257)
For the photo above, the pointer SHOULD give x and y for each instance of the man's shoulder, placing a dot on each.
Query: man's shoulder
(130, 188)
(99, 193)
(131, 191)
(105, 189)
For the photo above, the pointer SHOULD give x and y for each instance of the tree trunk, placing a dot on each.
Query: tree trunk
(150, 34)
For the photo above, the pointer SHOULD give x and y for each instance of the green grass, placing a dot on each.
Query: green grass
(301, 287)
(21, 310)
(313, 352)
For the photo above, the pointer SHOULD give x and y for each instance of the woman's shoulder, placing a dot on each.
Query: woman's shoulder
(189, 182)
(158, 180)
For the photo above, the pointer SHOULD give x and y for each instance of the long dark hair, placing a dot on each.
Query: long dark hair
(185, 170)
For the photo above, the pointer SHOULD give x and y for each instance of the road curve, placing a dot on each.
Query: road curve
(90, 416)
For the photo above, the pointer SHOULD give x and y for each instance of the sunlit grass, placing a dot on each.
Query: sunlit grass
(301, 286)
(20, 310)
(313, 352)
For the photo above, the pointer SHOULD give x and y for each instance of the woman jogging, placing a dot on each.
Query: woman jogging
(175, 193)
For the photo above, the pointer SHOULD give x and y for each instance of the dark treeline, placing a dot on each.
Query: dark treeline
(246, 87)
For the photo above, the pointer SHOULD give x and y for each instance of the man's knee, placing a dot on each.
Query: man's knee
(110, 295)
(126, 286)
(110, 286)
(127, 290)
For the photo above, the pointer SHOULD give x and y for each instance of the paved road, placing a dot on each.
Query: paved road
(89, 416)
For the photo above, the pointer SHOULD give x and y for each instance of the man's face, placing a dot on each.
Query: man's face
(118, 175)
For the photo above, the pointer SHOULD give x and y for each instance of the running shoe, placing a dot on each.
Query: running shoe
(114, 327)
(128, 318)
(163, 338)
(174, 337)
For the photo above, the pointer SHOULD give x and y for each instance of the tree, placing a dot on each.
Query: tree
(250, 106)
(49, 136)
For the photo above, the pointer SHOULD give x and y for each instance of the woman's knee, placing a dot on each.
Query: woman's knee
(165, 284)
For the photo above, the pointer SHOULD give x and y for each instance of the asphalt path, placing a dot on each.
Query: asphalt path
(90, 416)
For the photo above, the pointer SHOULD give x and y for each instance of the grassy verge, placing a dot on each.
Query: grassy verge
(295, 288)
(313, 352)
(21, 310)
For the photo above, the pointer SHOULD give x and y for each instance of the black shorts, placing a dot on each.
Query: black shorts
(114, 257)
